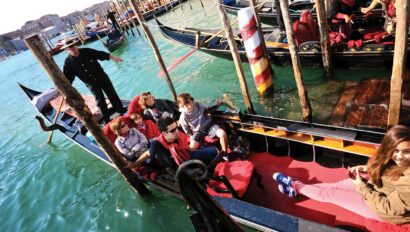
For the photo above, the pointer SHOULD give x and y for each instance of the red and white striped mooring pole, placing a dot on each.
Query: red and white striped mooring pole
(257, 60)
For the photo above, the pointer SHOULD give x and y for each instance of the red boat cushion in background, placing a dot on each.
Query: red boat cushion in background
(306, 17)
(302, 32)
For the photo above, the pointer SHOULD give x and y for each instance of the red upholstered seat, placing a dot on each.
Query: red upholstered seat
(134, 106)
(110, 134)
(238, 173)
(376, 226)
(302, 32)
(307, 17)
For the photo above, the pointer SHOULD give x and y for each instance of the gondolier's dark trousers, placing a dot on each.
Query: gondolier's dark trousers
(98, 88)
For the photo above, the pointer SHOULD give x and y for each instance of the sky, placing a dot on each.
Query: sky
(16, 13)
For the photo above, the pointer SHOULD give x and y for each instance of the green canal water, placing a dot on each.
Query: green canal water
(60, 187)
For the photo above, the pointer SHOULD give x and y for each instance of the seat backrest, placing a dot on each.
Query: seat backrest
(307, 17)
(302, 32)
(110, 134)
(134, 106)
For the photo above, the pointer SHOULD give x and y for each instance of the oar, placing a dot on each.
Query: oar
(55, 119)
(172, 66)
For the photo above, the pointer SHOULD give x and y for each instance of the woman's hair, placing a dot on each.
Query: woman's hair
(382, 164)
(116, 124)
(143, 99)
(184, 98)
(134, 116)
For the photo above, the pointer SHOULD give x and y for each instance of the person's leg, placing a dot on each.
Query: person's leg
(112, 95)
(345, 184)
(331, 193)
(205, 154)
(101, 104)
(195, 141)
(223, 139)
(215, 130)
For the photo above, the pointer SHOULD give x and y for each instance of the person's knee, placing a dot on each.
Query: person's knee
(221, 134)
(194, 145)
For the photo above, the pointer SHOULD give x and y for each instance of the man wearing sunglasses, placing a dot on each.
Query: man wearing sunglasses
(175, 144)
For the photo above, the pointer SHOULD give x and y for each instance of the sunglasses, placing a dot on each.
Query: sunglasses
(123, 125)
(173, 130)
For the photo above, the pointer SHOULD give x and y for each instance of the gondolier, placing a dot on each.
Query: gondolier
(84, 64)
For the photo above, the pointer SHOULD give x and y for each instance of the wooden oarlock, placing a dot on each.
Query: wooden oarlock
(76, 102)
(399, 62)
(324, 37)
(236, 58)
(302, 92)
(50, 136)
(154, 47)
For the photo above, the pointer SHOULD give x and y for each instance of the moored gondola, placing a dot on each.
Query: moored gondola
(364, 54)
(312, 152)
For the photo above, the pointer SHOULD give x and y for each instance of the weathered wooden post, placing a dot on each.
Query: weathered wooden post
(75, 101)
(303, 97)
(236, 58)
(79, 33)
(132, 20)
(120, 21)
(324, 37)
(125, 14)
(112, 9)
(154, 47)
(399, 62)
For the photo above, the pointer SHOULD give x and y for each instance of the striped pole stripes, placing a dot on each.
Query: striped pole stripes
(257, 60)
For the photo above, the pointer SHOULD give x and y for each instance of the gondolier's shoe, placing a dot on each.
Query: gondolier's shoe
(288, 190)
(282, 179)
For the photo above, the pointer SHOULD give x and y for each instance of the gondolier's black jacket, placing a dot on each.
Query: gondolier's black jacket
(85, 66)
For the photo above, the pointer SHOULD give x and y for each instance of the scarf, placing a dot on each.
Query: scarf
(178, 149)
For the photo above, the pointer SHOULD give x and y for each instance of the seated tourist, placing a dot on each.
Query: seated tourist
(342, 9)
(147, 127)
(389, 12)
(154, 109)
(131, 143)
(172, 143)
(379, 190)
(196, 122)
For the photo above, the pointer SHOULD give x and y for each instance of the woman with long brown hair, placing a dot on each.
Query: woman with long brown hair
(384, 196)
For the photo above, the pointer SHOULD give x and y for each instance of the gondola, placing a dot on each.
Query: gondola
(311, 152)
(369, 55)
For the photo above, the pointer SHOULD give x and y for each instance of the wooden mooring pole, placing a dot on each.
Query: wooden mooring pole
(236, 57)
(154, 46)
(324, 37)
(399, 62)
(303, 96)
(76, 102)
(125, 14)
(130, 18)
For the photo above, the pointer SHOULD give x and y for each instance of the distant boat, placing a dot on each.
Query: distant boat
(114, 44)
(370, 55)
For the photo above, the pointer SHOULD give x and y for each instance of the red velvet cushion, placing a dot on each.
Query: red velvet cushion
(134, 106)
(239, 174)
(306, 17)
(376, 226)
(302, 32)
